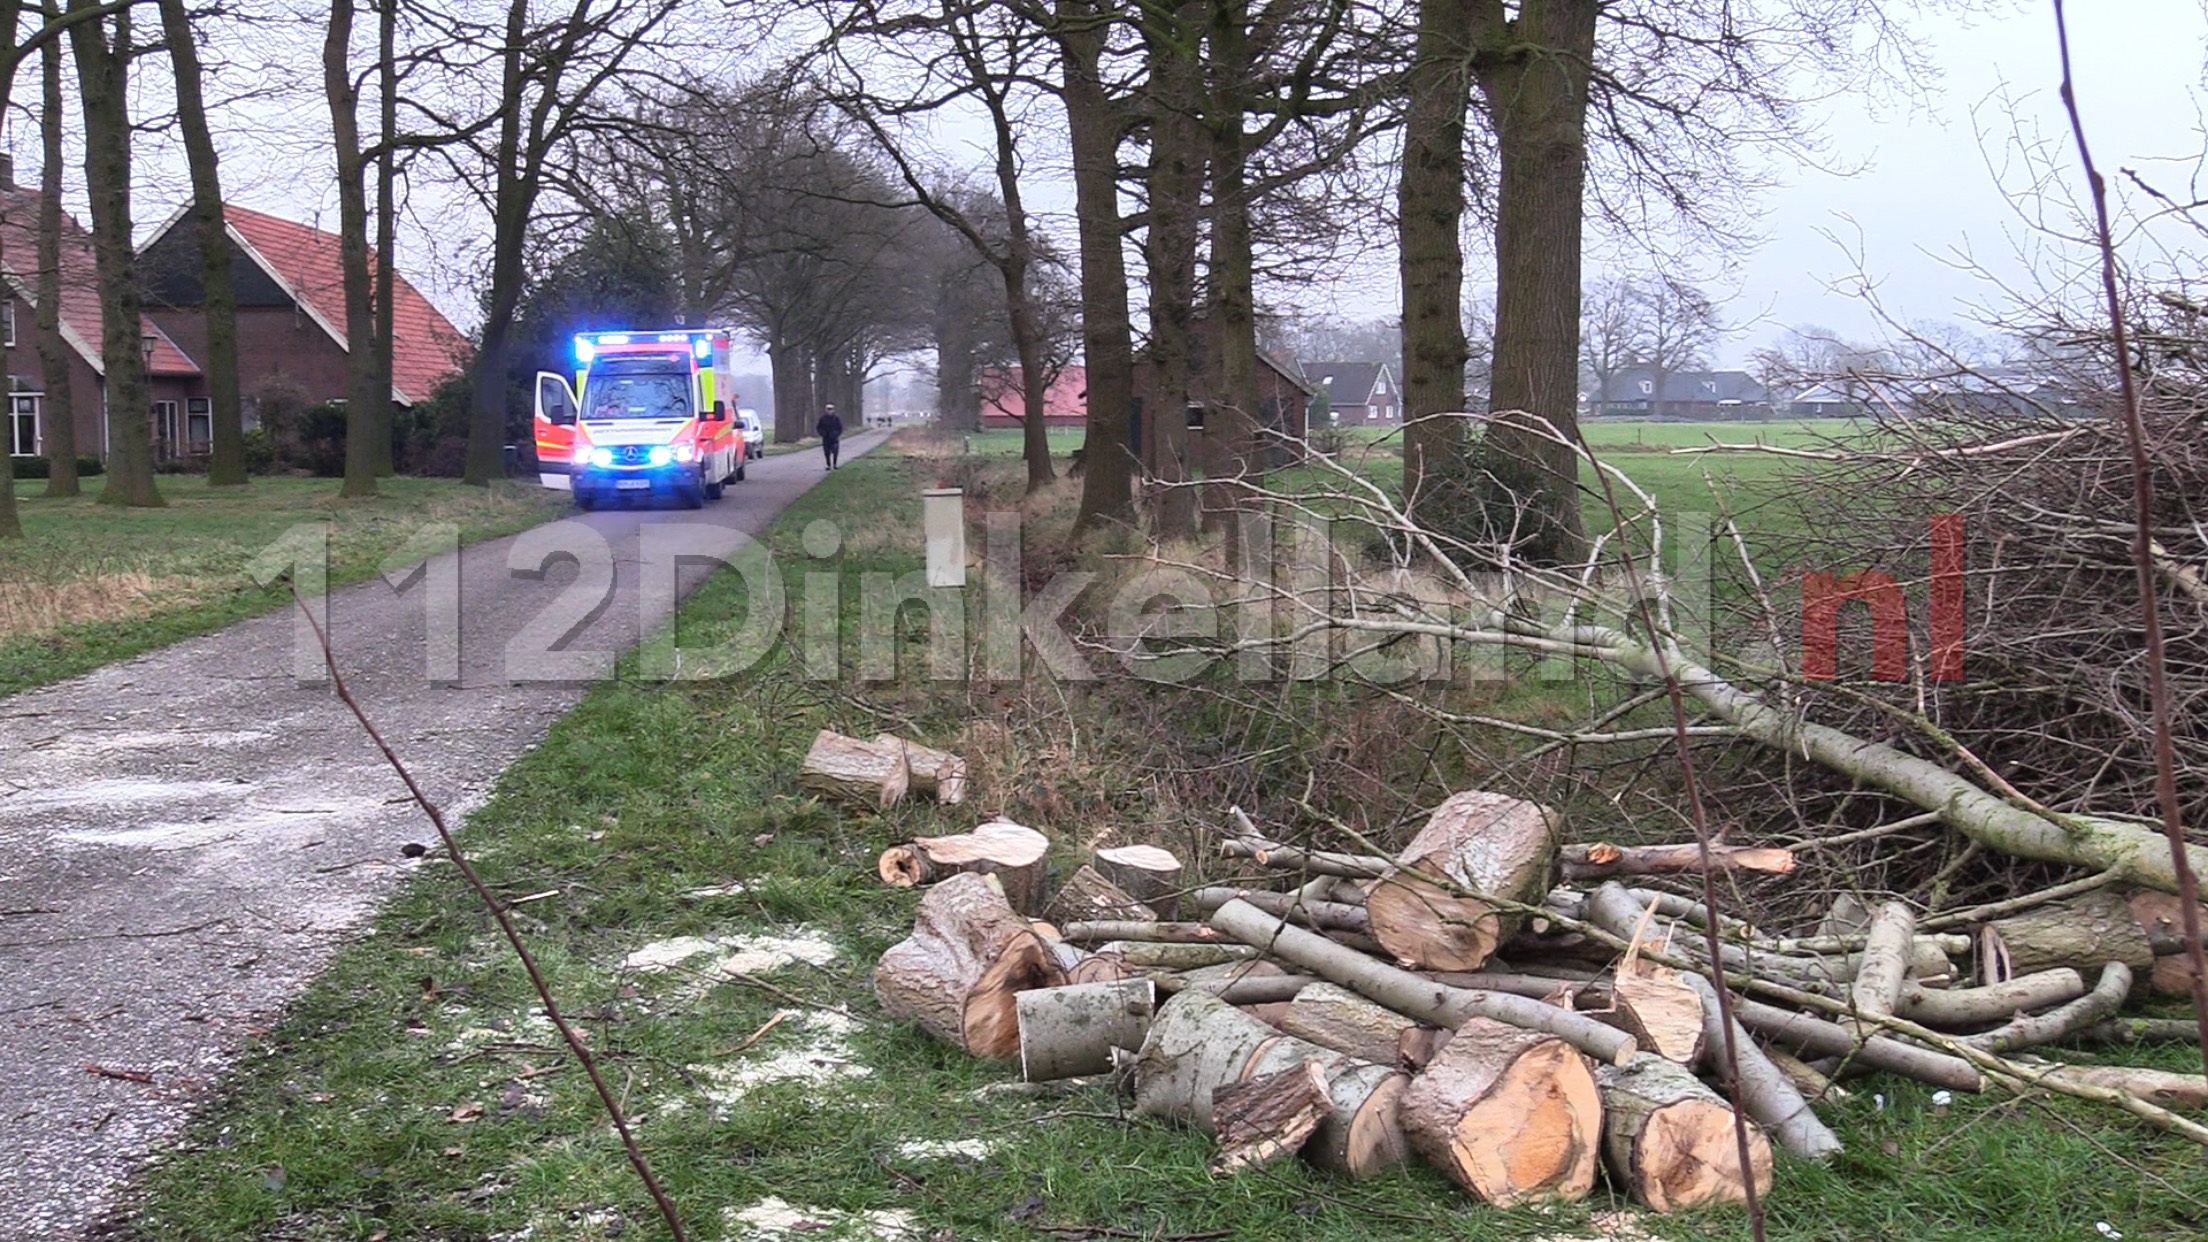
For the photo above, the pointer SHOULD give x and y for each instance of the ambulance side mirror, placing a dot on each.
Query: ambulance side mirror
(720, 411)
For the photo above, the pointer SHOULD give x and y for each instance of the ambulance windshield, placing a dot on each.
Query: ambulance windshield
(647, 386)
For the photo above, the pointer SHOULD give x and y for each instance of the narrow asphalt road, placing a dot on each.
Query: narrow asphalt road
(186, 837)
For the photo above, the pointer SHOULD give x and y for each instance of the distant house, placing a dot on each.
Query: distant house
(1698, 396)
(1999, 392)
(1220, 444)
(290, 285)
(1356, 393)
(176, 391)
(1823, 401)
(1004, 401)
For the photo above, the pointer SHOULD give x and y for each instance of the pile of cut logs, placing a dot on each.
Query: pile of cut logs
(1449, 1003)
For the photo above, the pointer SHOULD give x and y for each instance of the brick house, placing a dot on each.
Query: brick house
(1004, 403)
(176, 391)
(290, 284)
(1217, 446)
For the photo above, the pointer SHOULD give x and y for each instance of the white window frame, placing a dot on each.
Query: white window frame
(18, 404)
(167, 428)
(7, 323)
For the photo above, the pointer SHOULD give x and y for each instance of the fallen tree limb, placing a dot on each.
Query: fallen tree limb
(1990, 1004)
(2142, 1031)
(1409, 994)
(1324, 915)
(2103, 1001)
(1885, 963)
(1602, 860)
(1765, 1091)
(1152, 932)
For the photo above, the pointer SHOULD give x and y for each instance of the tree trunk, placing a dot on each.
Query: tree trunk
(1509, 1114)
(1017, 855)
(1661, 1011)
(1237, 439)
(1602, 860)
(1094, 128)
(102, 73)
(1533, 71)
(219, 304)
(1175, 182)
(513, 196)
(1489, 843)
(793, 388)
(2084, 934)
(957, 393)
(1150, 874)
(1967, 1008)
(54, 355)
(1670, 1141)
(1430, 247)
(846, 769)
(361, 398)
(1071, 1030)
(961, 971)
(1337, 1018)
(387, 229)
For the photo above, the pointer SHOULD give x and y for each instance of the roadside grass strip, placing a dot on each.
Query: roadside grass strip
(712, 931)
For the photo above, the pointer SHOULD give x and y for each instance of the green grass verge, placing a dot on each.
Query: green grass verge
(410, 1093)
(129, 580)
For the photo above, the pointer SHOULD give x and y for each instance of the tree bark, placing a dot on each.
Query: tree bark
(1533, 70)
(936, 774)
(1324, 915)
(1409, 994)
(793, 389)
(1768, 1094)
(1670, 1141)
(1095, 127)
(961, 971)
(1877, 987)
(1071, 1030)
(1603, 861)
(1175, 182)
(1430, 247)
(1494, 845)
(2084, 933)
(387, 230)
(361, 398)
(849, 770)
(1087, 896)
(2106, 998)
(1509, 1114)
(54, 354)
(1962, 1008)
(218, 303)
(1338, 1018)
(102, 49)
(1265, 1119)
(513, 195)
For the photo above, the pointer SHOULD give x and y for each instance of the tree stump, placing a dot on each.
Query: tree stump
(1669, 1140)
(1508, 1114)
(1485, 842)
(2083, 933)
(1069, 1031)
(937, 774)
(959, 974)
(1017, 855)
(1151, 875)
(846, 769)
(1087, 896)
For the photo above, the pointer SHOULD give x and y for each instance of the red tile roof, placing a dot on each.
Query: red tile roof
(80, 294)
(425, 347)
(1065, 400)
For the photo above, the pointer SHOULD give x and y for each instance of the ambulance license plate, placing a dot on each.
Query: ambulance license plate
(631, 485)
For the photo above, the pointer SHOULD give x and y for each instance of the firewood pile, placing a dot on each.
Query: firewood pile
(1457, 1004)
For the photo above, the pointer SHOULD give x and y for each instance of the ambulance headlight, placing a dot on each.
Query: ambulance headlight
(686, 452)
(601, 457)
(660, 455)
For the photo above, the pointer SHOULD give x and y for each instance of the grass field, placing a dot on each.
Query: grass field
(412, 1093)
(89, 584)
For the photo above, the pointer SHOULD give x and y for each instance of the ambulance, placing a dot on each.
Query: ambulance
(644, 419)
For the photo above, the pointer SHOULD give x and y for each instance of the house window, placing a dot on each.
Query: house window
(168, 444)
(1195, 417)
(1372, 412)
(23, 424)
(7, 323)
(199, 425)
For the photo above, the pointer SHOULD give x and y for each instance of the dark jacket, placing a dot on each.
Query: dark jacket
(829, 427)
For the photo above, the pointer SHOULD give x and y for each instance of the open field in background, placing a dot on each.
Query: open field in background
(90, 584)
(412, 1093)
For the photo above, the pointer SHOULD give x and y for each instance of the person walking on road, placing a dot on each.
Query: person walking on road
(830, 431)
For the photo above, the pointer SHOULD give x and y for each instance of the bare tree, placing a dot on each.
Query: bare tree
(1674, 325)
(362, 399)
(219, 304)
(1606, 328)
(1097, 124)
(103, 52)
(54, 354)
(1430, 203)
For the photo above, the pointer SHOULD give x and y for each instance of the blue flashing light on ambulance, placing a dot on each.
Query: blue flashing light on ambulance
(643, 419)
